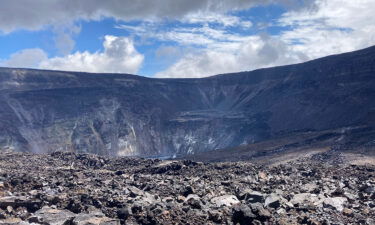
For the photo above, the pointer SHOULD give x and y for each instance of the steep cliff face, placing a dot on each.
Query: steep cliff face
(113, 114)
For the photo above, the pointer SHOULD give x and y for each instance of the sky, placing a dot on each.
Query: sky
(179, 38)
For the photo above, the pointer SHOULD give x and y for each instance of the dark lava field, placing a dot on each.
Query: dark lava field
(68, 188)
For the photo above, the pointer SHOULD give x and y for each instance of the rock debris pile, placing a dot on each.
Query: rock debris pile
(67, 188)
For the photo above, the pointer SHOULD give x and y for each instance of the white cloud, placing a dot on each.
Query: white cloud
(36, 14)
(27, 58)
(64, 34)
(62, 14)
(200, 35)
(314, 28)
(321, 28)
(119, 56)
(255, 52)
(331, 27)
(217, 18)
(167, 52)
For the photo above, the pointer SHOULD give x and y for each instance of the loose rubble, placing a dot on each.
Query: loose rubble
(81, 189)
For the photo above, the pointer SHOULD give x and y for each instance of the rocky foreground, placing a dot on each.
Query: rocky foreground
(68, 188)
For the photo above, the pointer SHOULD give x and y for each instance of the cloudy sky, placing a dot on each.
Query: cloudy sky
(179, 38)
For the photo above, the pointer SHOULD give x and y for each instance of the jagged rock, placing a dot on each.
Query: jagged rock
(225, 200)
(310, 188)
(370, 221)
(22, 213)
(261, 213)
(135, 192)
(304, 198)
(94, 219)
(350, 196)
(49, 216)
(194, 201)
(252, 196)
(123, 213)
(262, 175)
(20, 201)
(215, 216)
(242, 215)
(140, 196)
(167, 166)
(15, 221)
(180, 199)
(347, 212)
(168, 199)
(273, 200)
(75, 206)
(187, 191)
(335, 203)
(367, 189)
(2, 214)
(137, 208)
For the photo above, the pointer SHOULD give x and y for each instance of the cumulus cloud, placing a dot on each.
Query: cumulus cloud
(27, 58)
(255, 52)
(119, 56)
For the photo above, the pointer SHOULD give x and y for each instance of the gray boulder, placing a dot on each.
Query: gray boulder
(335, 203)
(225, 200)
(49, 216)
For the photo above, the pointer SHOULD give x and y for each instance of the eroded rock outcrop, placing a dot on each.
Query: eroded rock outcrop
(118, 115)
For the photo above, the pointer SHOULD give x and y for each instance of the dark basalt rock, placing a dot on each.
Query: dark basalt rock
(87, 194)
(243, 215)
(123, 213)
(119, 114)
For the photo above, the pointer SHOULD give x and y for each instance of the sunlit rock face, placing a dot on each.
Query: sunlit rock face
(127, 115)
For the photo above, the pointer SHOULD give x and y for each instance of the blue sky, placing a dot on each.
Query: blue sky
(179, 38)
